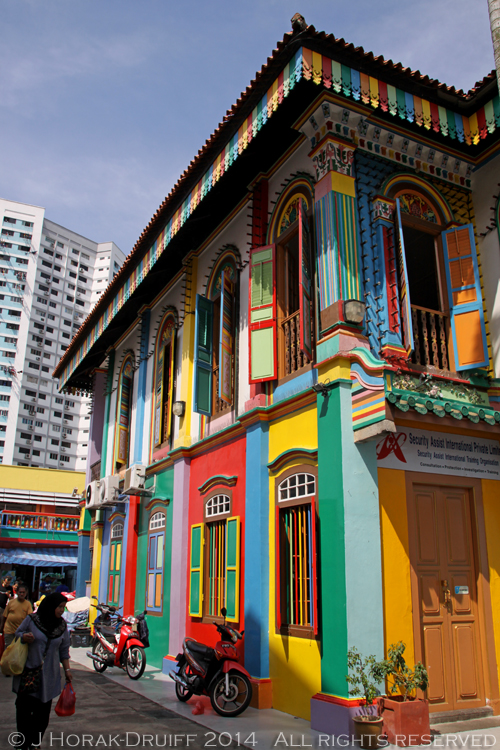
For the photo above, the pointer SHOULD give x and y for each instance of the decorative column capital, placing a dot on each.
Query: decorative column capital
(333, 154)
(383, 208)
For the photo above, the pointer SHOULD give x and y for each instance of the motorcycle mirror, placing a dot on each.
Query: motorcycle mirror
(223, 612)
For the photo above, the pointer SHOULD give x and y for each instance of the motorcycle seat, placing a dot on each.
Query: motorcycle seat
(199, 649)
(107, 631)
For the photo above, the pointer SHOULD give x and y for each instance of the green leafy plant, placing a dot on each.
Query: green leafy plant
(400, 678)
(361, 677)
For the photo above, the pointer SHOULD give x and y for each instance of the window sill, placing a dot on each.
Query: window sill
(287, 378)
(297, 631)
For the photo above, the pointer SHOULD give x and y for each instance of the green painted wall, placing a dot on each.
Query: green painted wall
(43, 535)
(331, 552)
(159, 624)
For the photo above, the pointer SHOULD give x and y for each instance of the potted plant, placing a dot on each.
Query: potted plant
(362, 681)
(406, 717)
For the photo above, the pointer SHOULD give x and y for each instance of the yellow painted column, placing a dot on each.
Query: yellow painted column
(491, 508)
(188, 335)
(398, 610)
(97, 528)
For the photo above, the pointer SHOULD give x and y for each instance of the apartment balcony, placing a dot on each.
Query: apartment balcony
(42, 527)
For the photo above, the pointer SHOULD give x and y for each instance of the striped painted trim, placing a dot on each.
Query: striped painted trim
(342, 79)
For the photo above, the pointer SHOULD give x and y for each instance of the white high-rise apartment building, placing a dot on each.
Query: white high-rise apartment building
(50, 278)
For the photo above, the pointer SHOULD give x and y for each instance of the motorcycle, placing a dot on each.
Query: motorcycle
(116, 642)
(202, 670)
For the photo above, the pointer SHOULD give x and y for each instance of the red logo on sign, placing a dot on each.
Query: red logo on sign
(392, 444)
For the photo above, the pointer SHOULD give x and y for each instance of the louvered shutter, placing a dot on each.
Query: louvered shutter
(262, 314)
(226, 339)
(233, 569)
(160, 363)
(167, 405)
(196, 571)
(465, 299)
(305, 282)
(203, 355)
(404, 290)
(314, 568)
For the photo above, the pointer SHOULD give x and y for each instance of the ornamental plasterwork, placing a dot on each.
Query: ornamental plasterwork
(333, 156)
(414, 205)
(429, 387)
(383, 209)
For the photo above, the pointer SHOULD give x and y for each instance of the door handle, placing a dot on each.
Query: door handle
(446, 593)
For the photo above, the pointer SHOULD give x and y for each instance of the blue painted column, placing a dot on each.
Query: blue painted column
(257, 551)
(141, 389)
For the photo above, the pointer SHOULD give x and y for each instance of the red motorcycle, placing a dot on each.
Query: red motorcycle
(202, 670)
(116, 642)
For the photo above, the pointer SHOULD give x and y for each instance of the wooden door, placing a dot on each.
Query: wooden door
(445, 588)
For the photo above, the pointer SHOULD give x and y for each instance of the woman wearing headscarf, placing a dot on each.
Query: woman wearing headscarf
(47, 636)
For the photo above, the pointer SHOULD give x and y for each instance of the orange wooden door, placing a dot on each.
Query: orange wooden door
(446, 591)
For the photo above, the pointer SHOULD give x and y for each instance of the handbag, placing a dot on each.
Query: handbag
(14, 658)
(31, 677)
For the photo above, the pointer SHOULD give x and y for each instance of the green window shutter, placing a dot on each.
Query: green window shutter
(226, 340)
(465, 298)
(404, 289)
(262, 314)
(159, 396)
(305, 283)
(203, 355)
(233, 568)
(196, 571)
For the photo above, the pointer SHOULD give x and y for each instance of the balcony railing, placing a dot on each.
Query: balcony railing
(40, 521)
(429, 338)
(293, 358)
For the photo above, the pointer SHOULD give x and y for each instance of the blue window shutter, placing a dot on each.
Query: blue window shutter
(203, 355)
(404, 288)
(465, 298)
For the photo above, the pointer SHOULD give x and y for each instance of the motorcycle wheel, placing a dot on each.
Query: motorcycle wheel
(135, 662)
(240, 694)
(99, 650)
(182, 693)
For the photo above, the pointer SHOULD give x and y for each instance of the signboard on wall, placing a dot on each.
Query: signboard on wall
(439, 453)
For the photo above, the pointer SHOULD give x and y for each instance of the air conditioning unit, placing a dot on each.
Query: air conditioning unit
(64, 435)
(92, 495)
(37, 359)
(63, 450)
(108, 490)
(135, 478)
(34, 400)
(46, 294)
(28, 441)
(66, 421)
(30, 427)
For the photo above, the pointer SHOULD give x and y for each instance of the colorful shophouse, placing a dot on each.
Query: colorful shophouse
(296, 410)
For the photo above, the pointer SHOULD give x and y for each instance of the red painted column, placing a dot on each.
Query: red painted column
(131, 556)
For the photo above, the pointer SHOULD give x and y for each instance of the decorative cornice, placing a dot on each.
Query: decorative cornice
(218, 479)
(116, 514)
(157, 501)
(294, 454)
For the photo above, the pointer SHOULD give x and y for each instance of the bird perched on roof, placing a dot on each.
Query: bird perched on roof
(298, 23)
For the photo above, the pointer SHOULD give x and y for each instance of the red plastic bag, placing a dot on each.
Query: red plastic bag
(2, 644)
(66, 703)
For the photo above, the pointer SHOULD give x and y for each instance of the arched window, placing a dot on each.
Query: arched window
(296, 601)
(281, 294)
(218, 505)
(215, 339)
(440, 299)
(156, 561)
(164, 379)
(115, 561)
(124, 413)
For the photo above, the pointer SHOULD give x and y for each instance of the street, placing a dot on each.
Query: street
(108, 715)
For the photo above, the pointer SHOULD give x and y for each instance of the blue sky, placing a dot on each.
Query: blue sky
(103, 103)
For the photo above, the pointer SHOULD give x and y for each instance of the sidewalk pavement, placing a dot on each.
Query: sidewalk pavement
(258, 729)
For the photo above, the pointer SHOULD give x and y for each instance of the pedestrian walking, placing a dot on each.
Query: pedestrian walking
(47, 636)
(15, 612)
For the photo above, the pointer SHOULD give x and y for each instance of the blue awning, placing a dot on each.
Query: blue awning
(43, 557)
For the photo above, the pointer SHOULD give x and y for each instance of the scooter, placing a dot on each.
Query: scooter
(118, 644)
(202, 670)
